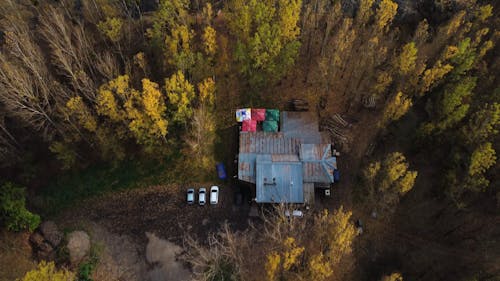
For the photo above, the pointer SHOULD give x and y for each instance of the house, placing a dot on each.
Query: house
(285, 165)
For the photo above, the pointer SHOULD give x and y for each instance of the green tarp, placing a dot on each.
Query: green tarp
(270, 126)
(272, 115)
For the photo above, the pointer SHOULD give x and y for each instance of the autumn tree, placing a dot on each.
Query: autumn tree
(385, 14)
(388, 180)
(267, 37)
(180, 94)
(396, 276)
(395, 108)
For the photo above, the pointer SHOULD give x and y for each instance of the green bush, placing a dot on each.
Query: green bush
(13, 212)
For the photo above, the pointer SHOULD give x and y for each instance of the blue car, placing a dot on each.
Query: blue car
(221, 171)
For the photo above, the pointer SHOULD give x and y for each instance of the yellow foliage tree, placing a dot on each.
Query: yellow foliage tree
(147, 121)
(364, 12)
(107, 103)
(482, 159)
(48, 272)
(112, 28)
(396, 276)
(396, 108)
(273, 261)
(388, 180)
(335, 233)
(433, 75)
(291, 253)
(384, 79)
(178, 51)
(180, 94)
(143, 113)
(210, 40)
(319, 268)
(289, 15)
(385, 14)
(77, 108)
(206, 90)
(407, 58)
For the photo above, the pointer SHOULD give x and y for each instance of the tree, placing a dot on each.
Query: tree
(148, 122)
(407, 58)
(48, 272)
(180, 94)
(76, 107)
(482, 124)
(112, 28)
(209, 40)
(335, 234)
(267, 37)
(396, 276)
(319, 267)
(65, 153)
(178, 47)
(272, 264)
(452, 107)
(433, 75)
(141, 113)
(386, 11)
(365, 12)
(13, 212)
(396, 108)
(388, 180)
(168, 15)
(482, 159)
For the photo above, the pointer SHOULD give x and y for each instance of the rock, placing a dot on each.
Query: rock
(36, 240)
(45, 247)
(46, 256)
(78, 246)
(51, 233)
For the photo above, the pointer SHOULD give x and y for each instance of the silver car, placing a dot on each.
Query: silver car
(202, 196)
(190, 196)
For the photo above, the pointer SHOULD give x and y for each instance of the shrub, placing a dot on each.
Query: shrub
(13, 212)
(48, 272)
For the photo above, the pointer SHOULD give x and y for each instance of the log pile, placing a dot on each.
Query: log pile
(338, 128)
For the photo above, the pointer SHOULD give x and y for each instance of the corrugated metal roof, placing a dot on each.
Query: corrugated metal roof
(301, 125)
(268, 143)
(278, 181)
(246, 167)
(318, 163)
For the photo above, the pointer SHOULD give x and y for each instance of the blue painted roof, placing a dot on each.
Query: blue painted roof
(279, 181)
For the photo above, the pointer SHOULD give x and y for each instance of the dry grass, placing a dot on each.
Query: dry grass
(15, 255)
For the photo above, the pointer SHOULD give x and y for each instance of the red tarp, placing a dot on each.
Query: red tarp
(249, 126)
(258, 114)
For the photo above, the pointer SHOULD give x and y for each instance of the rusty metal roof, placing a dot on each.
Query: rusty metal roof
(278, 181)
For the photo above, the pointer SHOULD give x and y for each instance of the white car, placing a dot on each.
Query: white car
(295, 213)
(190, 196)
(214, 195)
(202, 196)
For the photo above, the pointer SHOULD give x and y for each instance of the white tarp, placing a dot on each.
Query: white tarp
(243, 114)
